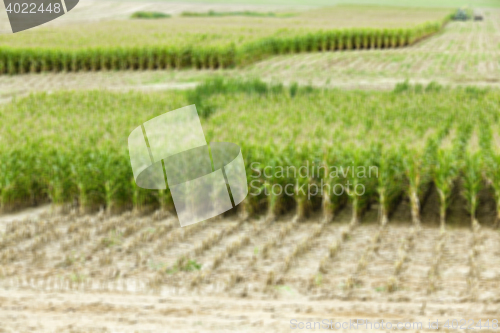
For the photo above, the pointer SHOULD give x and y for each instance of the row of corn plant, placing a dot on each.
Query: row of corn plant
(336, 40)
(202, 54)
(80, 158)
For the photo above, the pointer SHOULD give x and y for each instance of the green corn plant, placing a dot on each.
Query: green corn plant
(114, 171)
(394, 38)
(486, 137)
(11, 63)
(360, 186)
(418, 164)
(314, 42)
(348, 35)
(94, 60)
(373, 36)
(323, 37)
(472, 183)
(3, 55)
(298, 159)
(56, 176)
(301, 199)
(390, 188)
(333, 39)
(274, 198)
(379, 39)
(341, 38)
(492, 176)
(332, 198)
(86, 174)
(22, 63)
(406, 37)
(386, 38)
(445, 172)
(11, 180)
(413, 162)
(490, 161)
(401, 36)
(464, 133)
(367, 38)
(358, 39)
(412, 36)
(249, 206)
(138, 197)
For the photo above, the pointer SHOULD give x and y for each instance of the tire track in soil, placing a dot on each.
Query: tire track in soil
(489, 266)
(303, 274)
(74, 312)
(454, 267)
(373, 280)
(239, 270)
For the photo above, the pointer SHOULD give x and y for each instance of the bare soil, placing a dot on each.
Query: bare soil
(464, 53)
(98, 273)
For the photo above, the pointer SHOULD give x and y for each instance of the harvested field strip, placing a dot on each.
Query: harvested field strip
(470, 47)
(219, 248)
(370, 250)
(488, 266)
(272, 261)
(129, 313)
(380, 268)
(241, 274)
(238, 269)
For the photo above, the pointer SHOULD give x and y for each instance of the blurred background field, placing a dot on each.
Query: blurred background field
(212, 42)
(395, 85)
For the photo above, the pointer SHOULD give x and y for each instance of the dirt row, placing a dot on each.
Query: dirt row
(141, 254)
(25, 311)
(335, 271)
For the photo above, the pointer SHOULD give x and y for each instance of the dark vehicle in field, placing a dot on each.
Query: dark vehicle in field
(461, 15)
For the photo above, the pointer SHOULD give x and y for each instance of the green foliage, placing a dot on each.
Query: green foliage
(390, 180)
(445, 172)
(212, 13)
(200, 96)
(407, 87)
(191, 50)
(79, 153)
(184, 264)
(149, 15)
(472, 181)
(114, 238)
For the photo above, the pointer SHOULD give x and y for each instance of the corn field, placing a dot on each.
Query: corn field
(363, 204)
(100, 50)
(397, 146)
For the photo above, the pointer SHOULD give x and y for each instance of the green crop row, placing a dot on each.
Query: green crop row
(212, 13)
(337, 40)
(204, 55)
(149, 15)
(376, 147)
